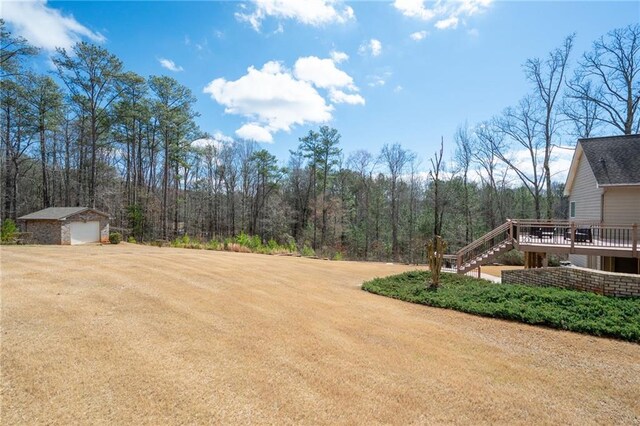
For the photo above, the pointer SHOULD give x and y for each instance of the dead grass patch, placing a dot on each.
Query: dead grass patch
(130, 334)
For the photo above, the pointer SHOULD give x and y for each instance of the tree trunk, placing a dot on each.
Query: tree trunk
(43, 158)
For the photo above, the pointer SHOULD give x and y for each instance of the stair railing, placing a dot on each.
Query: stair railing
(500, 235)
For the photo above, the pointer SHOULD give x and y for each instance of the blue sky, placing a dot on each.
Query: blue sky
(380, 72)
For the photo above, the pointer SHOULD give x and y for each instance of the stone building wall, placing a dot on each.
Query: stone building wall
(41, 231)
(583, 279)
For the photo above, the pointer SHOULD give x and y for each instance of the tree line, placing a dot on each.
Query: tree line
(94, 134)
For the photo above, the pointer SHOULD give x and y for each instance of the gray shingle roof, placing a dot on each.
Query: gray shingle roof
(615, 160)
(57, 213)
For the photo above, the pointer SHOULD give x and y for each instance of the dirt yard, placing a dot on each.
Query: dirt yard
(142, 335)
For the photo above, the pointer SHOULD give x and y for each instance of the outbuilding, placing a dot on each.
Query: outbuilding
(65, 226)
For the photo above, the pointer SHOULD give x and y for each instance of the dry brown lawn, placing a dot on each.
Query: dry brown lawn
(141, 335)
(496, 270)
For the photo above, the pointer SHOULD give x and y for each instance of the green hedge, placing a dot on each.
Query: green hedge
(548, 306)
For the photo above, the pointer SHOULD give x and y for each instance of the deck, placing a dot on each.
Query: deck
(579, 237)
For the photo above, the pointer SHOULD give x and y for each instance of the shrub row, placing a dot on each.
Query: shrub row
(548, 306)
(245, 243)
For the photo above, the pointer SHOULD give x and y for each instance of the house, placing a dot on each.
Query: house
(603, 186)
(65, 225)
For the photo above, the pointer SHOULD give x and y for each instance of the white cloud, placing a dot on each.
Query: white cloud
(338, 57)
(170, 65)
(560, 161)
(255, 132)
(378, 80)
(44, 26)
(450, 22)
(324, 74)
(219, 136)
(414, 9)
(398, 89)
(321, 73)
(446, 13)
(372, 47)
(309, 12)
(271, 95)
(275, 98)
(339, 97)
(419, 35)
(218, 140)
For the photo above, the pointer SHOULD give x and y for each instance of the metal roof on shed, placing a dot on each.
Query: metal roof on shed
(58, 213)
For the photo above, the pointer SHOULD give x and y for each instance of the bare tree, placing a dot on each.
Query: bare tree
(607, 79)
(363, 163)
(437, 167)
(547, 77)
(45, 98)
(91, 74)
(582, 113)
(487, 160)
(415, 183)
(396, 159)
(463, 158)
(521, 127)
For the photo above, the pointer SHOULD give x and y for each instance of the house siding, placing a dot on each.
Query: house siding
(587, 196)
(622, 205)
(585, 193)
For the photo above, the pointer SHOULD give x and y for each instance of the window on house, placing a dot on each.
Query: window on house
(572, 208)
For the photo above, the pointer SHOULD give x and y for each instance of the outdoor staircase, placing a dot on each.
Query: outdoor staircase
(485, 249)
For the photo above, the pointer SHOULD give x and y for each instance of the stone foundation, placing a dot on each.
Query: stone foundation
(583, 279)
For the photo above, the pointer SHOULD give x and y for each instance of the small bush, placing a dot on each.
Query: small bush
(512, 257)
(338, 256)
(8, 232)
(131, 239)
(115, 237)
(237, 248)
(253, 243)
(307, 251)
(213, 245)
(554, 260)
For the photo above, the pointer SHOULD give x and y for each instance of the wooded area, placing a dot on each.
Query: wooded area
(93, 134)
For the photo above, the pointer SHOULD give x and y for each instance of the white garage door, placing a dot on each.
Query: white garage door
(85, 232)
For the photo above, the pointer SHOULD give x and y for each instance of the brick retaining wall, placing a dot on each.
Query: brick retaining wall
(601, 282)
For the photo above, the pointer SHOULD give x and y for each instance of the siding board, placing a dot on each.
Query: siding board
(585, 193)
(622, 205)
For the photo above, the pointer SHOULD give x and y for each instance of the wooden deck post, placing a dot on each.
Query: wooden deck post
(573, 236)
(634, 236)
(511, 230)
